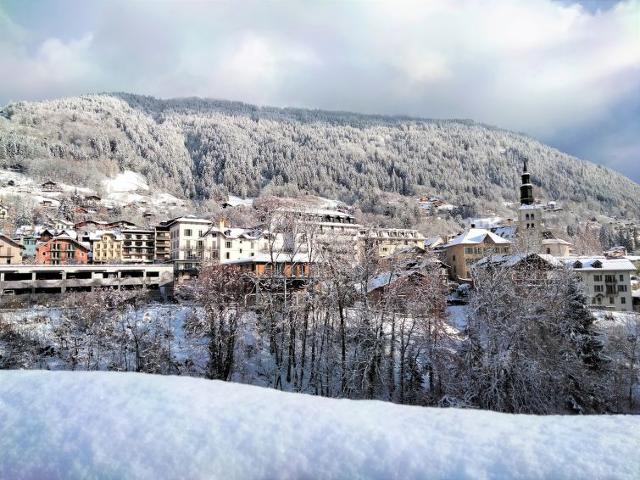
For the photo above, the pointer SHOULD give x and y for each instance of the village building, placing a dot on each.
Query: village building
(296, 266)
(469, 247)
(531, 234)
(556, 247)
(138, 245)
(607, 282)
(229, 244)
(107, 247)
(50, 186)
(28, 243)
(162, 243)
(61, 250)
(10, 251)
(188, 247)
(386, 241)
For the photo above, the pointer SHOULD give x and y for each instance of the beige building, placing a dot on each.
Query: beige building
(107, 247)
(607, 282)
(469, 247)
(386, 241)
(10, 251)
(556, 247)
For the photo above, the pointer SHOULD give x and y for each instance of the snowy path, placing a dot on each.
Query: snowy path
(119, 425)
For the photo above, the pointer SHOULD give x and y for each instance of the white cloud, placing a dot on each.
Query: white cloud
(537, 66)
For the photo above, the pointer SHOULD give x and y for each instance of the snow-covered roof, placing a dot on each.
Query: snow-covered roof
(278, 257)
(535, 206)
(433, 242)
(237, 201)
(514, 259)
(189, 219)
(555, 241)
(317, 211)
(505, 231)
(475, 236)
(599, 264)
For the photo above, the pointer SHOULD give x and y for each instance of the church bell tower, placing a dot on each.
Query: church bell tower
(526, 189)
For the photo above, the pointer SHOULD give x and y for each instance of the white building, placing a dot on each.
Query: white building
(607, 282)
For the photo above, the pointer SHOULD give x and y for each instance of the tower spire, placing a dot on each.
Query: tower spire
(526, 189)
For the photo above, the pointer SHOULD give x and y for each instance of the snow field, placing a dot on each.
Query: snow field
(125, 425)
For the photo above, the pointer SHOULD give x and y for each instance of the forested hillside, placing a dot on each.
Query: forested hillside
(204, 148)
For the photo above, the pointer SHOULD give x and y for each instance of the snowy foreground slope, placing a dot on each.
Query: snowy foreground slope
(125, 425)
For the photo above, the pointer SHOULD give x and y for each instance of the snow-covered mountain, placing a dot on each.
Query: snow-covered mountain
(198, 149)
(128, 425)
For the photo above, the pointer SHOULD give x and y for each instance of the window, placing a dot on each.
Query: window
(548, 251)
(532, 216)
(621, 278)
(187, 232)
(454, 258)
(227, 245)
(598, 288)
(597, 278)
(623, 300)
(227, 256)
(609, 278)
(612, 300)
(527, 216)
(622, 288)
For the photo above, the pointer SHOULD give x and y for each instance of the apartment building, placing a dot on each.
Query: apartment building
(386, 241)
(138, 245)
(10, 251)
(607, 282)
(231, 244)
(162, 243)
(188, 245)
(61, 250)
(107, 247)
(469, 247)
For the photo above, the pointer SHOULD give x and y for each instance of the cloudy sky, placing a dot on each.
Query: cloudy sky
(565, 72)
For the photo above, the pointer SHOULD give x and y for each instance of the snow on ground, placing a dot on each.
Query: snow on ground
(127, 181)
(457, 315)
(125, 425)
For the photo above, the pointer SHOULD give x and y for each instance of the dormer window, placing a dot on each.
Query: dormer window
(577, 264)
(597, 264)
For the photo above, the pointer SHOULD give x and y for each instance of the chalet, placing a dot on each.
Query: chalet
(10, 250)
(91, 201)
(61, 250)
(50, 186)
